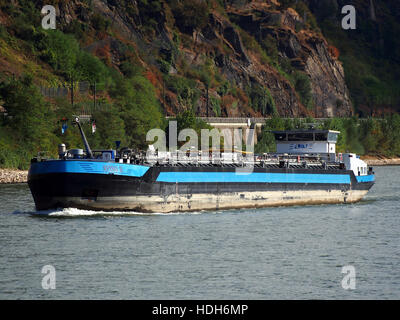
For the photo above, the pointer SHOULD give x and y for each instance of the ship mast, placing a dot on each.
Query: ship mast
(85, 142)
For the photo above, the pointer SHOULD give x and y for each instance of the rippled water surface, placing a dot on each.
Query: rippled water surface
(273, 253)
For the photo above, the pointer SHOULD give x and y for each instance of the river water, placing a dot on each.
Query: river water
(273, 253)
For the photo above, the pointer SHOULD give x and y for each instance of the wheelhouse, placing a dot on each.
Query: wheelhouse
(312, 142)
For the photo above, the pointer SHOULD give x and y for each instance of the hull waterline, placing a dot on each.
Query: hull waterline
(176, 189)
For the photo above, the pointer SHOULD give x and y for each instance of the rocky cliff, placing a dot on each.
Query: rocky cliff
(305, 50)
(238, 58)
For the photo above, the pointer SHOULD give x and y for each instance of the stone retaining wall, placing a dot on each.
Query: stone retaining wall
(13, 176)
(382, 162)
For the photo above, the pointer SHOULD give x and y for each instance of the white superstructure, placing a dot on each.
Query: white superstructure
(311, 142)
(354, 163)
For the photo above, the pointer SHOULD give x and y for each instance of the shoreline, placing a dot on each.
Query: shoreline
(8, 176)
(380, 161)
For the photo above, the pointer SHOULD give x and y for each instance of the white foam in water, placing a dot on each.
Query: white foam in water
(73, 212)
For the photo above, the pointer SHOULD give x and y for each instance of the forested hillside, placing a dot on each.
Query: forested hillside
(370, 53)
(131, 63)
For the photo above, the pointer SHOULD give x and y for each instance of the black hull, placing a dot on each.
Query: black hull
(146, 194)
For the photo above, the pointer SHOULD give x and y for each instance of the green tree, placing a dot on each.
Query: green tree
(27, 128)
(302, 84)
(60, 51)
(139, 107)
(29, 116)
(267, 141)
(394, 134)
(188, 120)
(190, 15)
(261, 99)
(90, 68)
(368, 137)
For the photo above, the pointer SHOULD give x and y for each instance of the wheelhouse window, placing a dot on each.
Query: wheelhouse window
(332, 137)
(300, 136)
(280, 136)
(321, 136)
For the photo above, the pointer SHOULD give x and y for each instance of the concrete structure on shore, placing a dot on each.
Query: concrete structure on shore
(237, 123)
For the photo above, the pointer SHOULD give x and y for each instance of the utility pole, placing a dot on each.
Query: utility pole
(264, 107)
(94, 96)
(207, 98)
(72, 92)
(163, 90)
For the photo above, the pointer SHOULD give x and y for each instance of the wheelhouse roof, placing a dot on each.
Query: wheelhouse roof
(305, 131)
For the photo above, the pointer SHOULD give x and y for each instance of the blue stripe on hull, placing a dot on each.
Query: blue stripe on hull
(97, 167)
(368, 178)
(252, 177)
